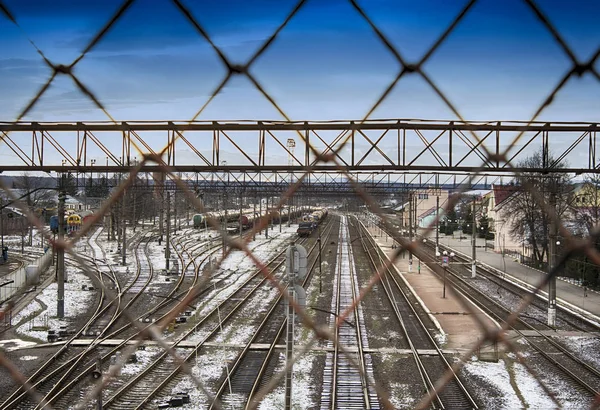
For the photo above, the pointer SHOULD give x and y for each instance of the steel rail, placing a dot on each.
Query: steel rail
(463, 390)
(212, 313)
(270, 315)
(459, 283)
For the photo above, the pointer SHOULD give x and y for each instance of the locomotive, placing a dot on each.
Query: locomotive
(310, 222)
(73, 221)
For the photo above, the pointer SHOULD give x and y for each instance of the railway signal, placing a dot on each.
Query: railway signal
(296, 269)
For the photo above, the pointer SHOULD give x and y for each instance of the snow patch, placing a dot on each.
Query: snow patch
(531, 390)
(76, 303)
(497, 375)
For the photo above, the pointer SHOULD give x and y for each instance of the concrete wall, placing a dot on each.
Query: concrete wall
(20, 277)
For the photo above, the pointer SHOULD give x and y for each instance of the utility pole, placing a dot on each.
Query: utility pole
(134, 220)
(168, 249)
(289, 347)
(60, 253)
(552, 258)
(268, 217)
(161, 214)
(410, 229)
(320, 262)
(473, 243)
(240, 218)
(120, 211)
(124, 243)
(224, 221)
(175, 210)
(260, 210)
(22, 235)
(437, 224)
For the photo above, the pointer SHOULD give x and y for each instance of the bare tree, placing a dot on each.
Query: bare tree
(530, 217)
(39, 194)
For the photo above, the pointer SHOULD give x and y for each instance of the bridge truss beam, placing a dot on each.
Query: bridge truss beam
(261, 146)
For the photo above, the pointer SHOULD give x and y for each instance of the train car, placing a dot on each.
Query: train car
(311, 221)
(246, 217)
(247, 220)
(73, 223)
(86, 216)
(307, 218)
(198, 220)
(54, 224)
(305, 229)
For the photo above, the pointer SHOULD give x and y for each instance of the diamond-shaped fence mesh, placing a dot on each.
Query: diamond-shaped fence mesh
(382, 265)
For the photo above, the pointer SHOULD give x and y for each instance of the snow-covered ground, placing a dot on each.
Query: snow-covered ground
(518, 388)
(400, 396)
(237, 267)
(144, 358)
(43, 310)
(210, 366)
(586, 347)
(302, 387)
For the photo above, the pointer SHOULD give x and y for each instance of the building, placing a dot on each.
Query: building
(502, 220)
(584, 208)
(424, 206)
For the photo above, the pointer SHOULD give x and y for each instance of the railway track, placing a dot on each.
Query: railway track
(56, 372)
(429, 368)
(161, 373)
(61, 396)
(510, 293)
(344, 385)
(583, 377)
(250, 370)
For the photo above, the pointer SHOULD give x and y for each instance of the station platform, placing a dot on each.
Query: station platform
(567, 293)
(461, 328)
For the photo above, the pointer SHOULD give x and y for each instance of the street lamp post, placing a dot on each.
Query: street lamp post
(419, 267)
(445, 263)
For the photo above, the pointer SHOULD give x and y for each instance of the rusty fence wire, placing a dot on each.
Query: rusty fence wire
(407, 68)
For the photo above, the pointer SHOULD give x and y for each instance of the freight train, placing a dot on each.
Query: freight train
(310, 222)
(246, 219)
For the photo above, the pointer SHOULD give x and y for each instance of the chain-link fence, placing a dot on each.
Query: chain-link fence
(573, 245)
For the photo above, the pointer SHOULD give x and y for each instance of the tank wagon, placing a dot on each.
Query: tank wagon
(198, 220)
(247, 218)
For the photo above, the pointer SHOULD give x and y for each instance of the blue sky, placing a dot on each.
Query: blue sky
(499, 64)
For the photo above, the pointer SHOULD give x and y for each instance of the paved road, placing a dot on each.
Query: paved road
(568, 292)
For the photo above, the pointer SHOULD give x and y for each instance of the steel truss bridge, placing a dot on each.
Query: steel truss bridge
(384, 155)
